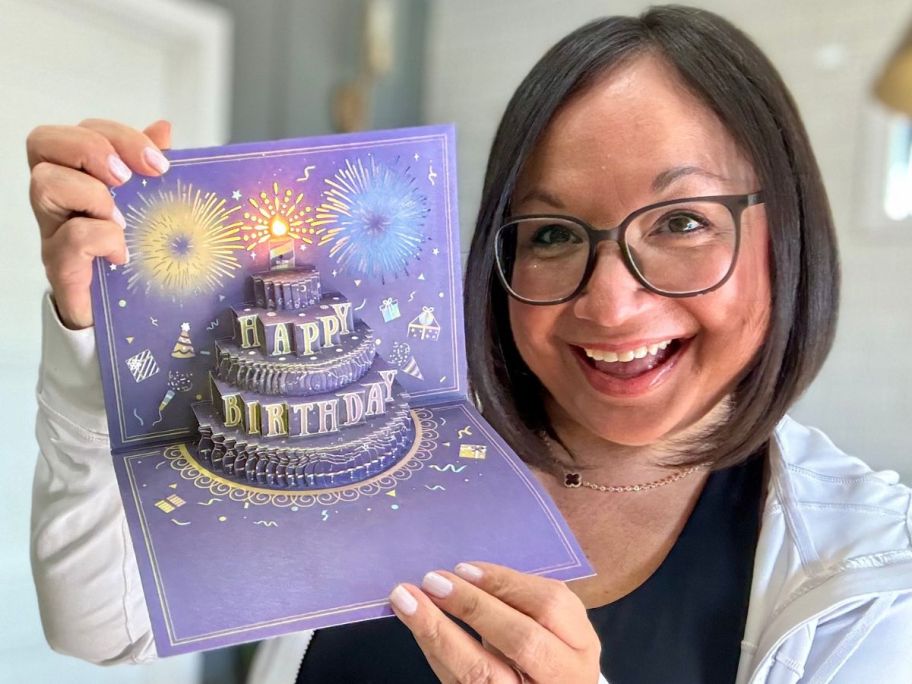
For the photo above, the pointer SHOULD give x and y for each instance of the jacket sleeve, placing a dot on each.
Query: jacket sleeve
(867, 644)
(89, 593)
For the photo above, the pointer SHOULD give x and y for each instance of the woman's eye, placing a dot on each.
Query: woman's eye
(554, 235)
(681, 224)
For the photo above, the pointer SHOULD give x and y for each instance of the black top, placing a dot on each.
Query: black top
(684, 624)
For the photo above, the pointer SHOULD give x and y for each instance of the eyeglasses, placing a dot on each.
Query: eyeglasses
(677, 248)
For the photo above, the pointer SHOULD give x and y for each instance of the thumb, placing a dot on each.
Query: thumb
(160, 133)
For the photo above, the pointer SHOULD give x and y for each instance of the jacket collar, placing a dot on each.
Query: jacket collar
(833, 533)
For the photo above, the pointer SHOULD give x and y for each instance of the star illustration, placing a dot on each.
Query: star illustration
(435, 251)
(417, 156)
(335, 273)
(113, 267)
(145, 182)
(236, 195)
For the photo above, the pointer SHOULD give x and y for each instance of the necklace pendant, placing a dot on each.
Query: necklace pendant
(572, 480)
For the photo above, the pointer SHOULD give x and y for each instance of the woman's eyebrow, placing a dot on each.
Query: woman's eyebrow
(541, 196)
(660, 183)
(669, 176)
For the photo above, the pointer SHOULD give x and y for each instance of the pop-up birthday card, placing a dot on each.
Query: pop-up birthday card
(285, 381)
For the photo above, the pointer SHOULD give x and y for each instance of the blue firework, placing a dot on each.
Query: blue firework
(374, 216)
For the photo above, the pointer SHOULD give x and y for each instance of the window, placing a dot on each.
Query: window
(897, 200)
(883, 174)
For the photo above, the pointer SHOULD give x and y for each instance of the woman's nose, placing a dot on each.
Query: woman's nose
(613, 295)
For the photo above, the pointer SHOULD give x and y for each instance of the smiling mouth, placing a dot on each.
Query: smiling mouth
(632, 363)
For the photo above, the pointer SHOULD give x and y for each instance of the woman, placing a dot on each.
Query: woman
(643, 372)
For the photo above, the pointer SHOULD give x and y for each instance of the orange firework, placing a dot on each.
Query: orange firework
(281, 214)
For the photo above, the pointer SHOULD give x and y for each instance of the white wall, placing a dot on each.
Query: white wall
(60, 62)
(827, 51)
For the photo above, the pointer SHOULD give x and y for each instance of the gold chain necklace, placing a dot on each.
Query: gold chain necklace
(574, 480)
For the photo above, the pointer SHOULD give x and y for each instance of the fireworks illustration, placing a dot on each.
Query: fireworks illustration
(182, 242)
(281, 214)
(374, 217)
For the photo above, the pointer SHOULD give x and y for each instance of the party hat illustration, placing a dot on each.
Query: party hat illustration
(183, 348)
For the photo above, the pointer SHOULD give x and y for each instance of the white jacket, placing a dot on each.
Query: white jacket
(831, 599)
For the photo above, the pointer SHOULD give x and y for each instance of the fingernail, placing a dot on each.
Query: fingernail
(438, 585)
(403, 600)
(126, 255)
(119, 218)
(156, 159)
(469, 572)
(120, 170)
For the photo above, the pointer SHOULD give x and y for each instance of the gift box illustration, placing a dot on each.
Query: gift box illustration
(472, 451)
(389, 307)
(268, 419)
(425, 326)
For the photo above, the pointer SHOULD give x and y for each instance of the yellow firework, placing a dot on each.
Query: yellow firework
(277, 215)
(182, 242)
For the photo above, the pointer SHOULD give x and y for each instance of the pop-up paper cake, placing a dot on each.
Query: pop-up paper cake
(300, 398)
(285, 381)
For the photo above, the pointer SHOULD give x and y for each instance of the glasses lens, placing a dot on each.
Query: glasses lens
(683, 247)
(542, 259)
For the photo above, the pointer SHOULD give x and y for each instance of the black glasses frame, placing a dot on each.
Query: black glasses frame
(736, 204)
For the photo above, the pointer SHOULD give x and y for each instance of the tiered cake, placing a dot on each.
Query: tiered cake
(299, 398)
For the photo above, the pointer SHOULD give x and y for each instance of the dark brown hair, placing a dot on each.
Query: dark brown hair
(728, 72)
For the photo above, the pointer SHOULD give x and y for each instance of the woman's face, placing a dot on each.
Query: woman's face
(598, 160)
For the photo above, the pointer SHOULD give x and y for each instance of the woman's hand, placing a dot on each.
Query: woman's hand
(534, 629)
(72, 167)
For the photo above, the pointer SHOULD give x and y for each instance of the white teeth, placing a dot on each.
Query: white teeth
(628, 355)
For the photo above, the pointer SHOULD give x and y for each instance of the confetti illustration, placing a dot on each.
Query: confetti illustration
(449, 467)
(307, 170)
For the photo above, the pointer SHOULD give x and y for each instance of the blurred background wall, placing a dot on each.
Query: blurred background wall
(234, 70)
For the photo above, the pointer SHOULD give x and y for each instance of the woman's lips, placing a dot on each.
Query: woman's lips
(634, 377)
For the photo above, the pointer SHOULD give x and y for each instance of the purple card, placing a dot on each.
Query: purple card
(284, 372)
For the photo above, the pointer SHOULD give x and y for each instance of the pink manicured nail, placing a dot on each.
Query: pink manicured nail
(156, 159)
(118, 218)
(126, 255)
(438, 585)
(468, 572)
(403, 600)
(118, 168)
